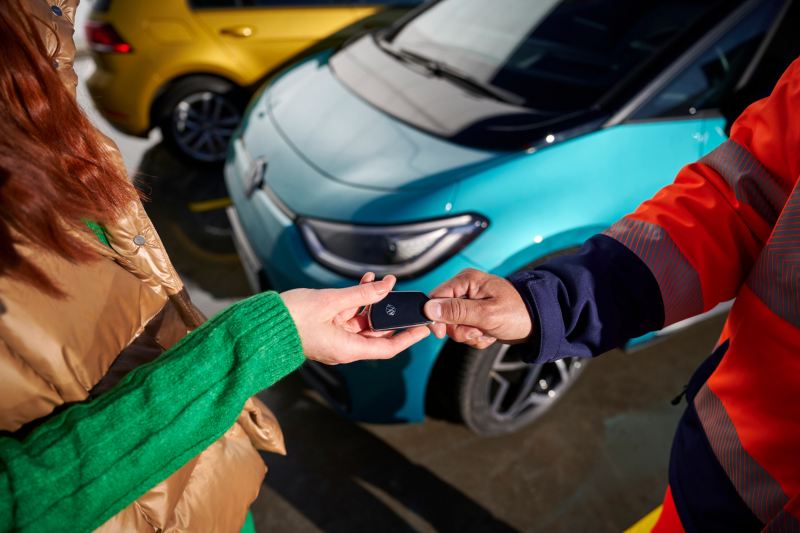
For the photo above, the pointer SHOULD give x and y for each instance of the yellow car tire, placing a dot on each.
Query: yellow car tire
(197, 116)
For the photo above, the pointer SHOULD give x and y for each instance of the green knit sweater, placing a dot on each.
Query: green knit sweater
(88, 463)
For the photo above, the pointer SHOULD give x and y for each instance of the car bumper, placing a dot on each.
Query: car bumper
(122, 92)
(251, 264)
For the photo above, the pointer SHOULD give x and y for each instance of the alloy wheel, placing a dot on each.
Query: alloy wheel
(521, 390)
(203, 124)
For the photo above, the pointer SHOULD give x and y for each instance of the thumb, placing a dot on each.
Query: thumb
(364, 294)
(455, 311)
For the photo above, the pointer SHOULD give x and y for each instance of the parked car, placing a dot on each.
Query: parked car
(491, 135)
(190, 66)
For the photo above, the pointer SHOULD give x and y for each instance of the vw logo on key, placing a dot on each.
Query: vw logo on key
(391, 310)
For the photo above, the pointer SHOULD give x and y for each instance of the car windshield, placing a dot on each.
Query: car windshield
(556, 56)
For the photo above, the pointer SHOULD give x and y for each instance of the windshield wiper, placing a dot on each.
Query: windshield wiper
(443, 70)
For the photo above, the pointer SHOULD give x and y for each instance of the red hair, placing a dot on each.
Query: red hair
(55, 170)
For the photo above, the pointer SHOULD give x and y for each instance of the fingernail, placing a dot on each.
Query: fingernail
(434, 310)
(473, 335)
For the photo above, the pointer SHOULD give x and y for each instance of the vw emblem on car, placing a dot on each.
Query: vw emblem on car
(254, 178)
(391, 310)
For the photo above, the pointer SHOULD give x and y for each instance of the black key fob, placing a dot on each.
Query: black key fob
(400, 309)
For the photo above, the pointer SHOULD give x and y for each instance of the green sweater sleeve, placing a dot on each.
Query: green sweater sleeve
(80, 468)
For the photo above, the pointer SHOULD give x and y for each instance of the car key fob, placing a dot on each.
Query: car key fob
(400, 309)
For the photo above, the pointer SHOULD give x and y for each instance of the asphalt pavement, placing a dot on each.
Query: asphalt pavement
(597, 461)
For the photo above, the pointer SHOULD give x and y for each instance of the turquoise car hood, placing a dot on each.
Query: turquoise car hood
(348, 140)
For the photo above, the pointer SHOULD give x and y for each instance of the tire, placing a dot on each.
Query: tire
(198, 115)
(492, 402)
(493, 391)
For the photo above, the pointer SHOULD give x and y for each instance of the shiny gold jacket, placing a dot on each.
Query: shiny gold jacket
(119, 312)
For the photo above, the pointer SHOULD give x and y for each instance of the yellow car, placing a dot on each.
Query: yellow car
(190, 66)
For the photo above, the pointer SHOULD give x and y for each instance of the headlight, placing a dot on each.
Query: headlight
(404, 250)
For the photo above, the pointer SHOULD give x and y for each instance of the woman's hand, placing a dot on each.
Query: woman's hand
(331, 329)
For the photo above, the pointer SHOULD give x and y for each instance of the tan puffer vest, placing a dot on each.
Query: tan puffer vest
(119, 313)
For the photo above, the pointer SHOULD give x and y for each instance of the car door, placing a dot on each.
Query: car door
(261, 35)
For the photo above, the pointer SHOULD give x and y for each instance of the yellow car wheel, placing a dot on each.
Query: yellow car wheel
(198, 115)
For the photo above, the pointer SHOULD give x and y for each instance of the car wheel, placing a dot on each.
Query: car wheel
(198, 116)
(498, 392)
(494, 391)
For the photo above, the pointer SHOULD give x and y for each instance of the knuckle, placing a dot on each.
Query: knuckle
(460, 337)
(471, 273)
(458, 310)
(456, 334)
(501, 286)
(365, 291)
(442, 289)
(466, 274)
(472, 333)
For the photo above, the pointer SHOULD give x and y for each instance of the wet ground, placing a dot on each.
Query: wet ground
(597, 461)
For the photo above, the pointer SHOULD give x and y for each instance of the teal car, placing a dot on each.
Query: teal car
(488, 135)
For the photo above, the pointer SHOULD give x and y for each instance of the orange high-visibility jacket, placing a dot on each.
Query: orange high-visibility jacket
(728, 227)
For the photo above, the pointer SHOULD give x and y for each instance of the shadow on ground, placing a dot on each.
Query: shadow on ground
(596, 462)
(342, 477)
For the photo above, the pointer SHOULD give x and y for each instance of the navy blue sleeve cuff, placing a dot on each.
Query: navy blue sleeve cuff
(587, 303)
(548, 325)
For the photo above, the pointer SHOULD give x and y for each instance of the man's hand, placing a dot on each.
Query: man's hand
(478, 309)
(333, 331)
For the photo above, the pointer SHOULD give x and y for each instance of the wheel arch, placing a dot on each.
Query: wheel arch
(156, 113)
(550, 245)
